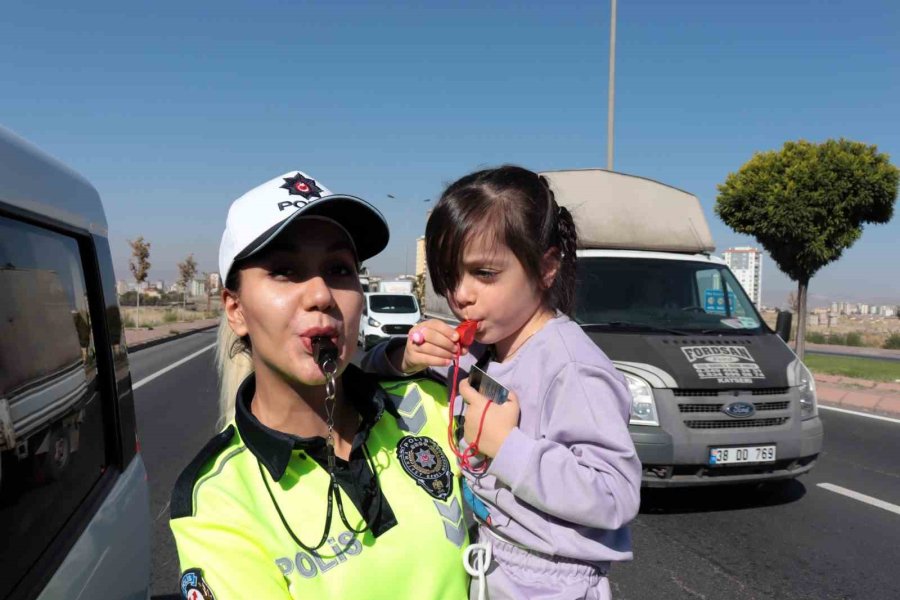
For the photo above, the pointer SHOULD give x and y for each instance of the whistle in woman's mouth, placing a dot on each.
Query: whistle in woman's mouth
(324, 350)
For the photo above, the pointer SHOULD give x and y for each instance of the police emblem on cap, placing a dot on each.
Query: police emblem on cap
(424, 461)
(298, 185)
(194, 587)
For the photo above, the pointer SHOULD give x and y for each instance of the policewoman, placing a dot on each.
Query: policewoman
(324, 482)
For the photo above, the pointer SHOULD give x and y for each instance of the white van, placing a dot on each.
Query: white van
(74, 501)
(387, 315)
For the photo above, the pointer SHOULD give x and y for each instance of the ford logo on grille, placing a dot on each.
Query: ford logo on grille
(739, 410)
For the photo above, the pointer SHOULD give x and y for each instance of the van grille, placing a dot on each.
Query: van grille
(771, 405)
(714, 408)
(396, 329)
(735, 424)
(695, 393)
(771, 391)
(683, 393)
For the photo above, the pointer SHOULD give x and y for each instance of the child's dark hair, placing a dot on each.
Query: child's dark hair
(518, 207)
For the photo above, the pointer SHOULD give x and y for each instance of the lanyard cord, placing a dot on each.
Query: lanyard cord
(334, 491)
(465, 457)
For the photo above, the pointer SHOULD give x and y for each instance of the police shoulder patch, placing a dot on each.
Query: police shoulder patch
(194, 587)
(182, 503)
(423, 459)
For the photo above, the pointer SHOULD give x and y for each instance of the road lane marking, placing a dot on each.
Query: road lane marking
(860, 414)
(150, 378)
(861, 497)
(163, 511)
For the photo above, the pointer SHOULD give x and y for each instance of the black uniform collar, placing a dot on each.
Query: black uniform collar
(274, 448)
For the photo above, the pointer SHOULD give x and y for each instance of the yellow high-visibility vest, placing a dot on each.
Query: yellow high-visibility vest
(233, 543)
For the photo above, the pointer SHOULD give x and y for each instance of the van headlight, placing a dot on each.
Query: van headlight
(374, 323)
(809, 408)
(643, 406)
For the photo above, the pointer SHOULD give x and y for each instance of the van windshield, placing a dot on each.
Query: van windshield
(393, 303)
(675, 296)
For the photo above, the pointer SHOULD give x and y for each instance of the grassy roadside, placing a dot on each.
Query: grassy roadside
(862, 368)
(154, 316)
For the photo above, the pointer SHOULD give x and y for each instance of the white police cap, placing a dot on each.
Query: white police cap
(258, 216)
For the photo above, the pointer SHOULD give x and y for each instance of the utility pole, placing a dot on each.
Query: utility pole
(610, 127)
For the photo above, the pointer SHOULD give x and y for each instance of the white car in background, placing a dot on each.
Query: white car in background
(387, 315)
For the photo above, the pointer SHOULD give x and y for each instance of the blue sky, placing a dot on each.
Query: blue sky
(173, 110)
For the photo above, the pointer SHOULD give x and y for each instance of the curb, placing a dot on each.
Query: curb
(168, 338)
(854, 351)
(863, 400)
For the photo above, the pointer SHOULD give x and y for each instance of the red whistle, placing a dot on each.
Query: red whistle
(466, 331)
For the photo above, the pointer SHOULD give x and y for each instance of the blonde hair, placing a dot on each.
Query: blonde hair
(233, 364)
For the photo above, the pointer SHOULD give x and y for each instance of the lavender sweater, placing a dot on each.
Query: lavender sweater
(566, 482)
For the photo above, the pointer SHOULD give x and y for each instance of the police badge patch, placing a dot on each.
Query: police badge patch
(424, 461)
(194, 587)
(298, 185)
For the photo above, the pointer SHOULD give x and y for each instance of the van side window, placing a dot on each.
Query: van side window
(53, 448)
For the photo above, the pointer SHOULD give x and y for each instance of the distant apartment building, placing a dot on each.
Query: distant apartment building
(213, 280)
(121, 287)
(197, 287)
(746, 264)
(420, 255)
(863, 309)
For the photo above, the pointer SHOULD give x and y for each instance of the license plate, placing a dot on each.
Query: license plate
(741, 455)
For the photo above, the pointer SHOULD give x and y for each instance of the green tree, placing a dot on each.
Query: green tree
(129, 298)
(893, 342)
(807, 203)
(208, 290)
(186, 272)
(140, 268)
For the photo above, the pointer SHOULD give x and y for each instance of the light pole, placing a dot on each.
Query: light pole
(612, 88)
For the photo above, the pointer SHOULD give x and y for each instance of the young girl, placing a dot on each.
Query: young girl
(562, 478)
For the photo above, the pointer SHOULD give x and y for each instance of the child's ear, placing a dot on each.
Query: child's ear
(234, 312)
(550, 267)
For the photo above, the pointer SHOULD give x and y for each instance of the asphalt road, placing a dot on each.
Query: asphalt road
(176, 415)
(795, 540)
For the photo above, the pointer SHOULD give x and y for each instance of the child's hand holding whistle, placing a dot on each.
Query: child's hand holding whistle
(434, 343)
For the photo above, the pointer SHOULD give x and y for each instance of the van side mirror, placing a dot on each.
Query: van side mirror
(783, 325)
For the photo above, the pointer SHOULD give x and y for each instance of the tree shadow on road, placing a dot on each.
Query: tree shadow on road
(719, 498)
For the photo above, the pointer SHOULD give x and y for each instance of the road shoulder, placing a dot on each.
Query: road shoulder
(138, 339)
(877, 397)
